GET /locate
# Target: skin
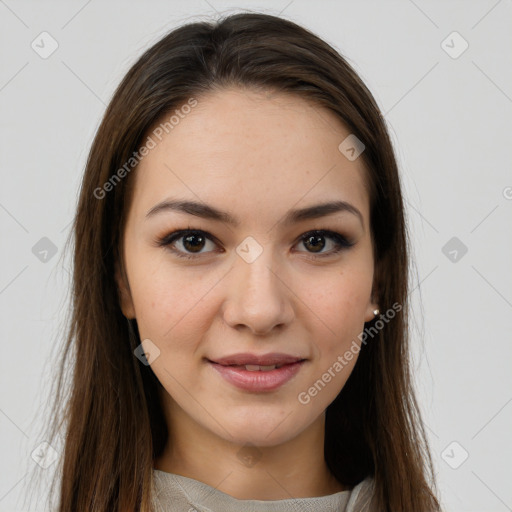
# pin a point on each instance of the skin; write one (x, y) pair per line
(256, 155)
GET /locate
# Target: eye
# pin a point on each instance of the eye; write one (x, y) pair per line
(189, 243)
(186, 243)
(315, 242)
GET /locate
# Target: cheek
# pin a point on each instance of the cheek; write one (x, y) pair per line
(337, 310)
(339, 301)
(175, 305)
(171, 305)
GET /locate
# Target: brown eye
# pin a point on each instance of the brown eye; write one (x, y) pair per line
(188, 243)
(314, 242)
(194, 242)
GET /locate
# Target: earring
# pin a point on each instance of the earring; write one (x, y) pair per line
(375, 312)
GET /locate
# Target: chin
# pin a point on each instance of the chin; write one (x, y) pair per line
(259, 430)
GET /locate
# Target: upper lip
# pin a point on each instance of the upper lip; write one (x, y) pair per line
(260, 360)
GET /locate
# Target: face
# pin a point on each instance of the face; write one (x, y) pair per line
(252, 268)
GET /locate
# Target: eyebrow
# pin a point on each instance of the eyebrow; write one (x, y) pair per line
(206, 211)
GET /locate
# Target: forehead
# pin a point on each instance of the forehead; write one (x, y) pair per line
(247, 149)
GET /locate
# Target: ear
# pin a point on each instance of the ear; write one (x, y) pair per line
(370, 308)
(373, 302)
(124, 293)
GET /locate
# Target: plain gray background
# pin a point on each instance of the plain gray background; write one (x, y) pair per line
(449, 114)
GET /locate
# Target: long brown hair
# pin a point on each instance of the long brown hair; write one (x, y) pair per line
(113, 419)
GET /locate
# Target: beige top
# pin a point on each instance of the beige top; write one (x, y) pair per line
(176, 493)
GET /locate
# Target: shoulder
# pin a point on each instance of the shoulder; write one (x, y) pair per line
(167, 495)
(361, 496)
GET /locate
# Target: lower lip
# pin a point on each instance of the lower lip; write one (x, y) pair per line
(258, 381)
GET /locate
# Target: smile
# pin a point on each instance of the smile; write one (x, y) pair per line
(258, 378)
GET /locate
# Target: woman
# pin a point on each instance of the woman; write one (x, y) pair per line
(239, 329)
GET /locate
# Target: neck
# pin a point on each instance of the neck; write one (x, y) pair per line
(293, 469)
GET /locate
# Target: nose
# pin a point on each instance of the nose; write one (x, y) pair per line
(257, 296)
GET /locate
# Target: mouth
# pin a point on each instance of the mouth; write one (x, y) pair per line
(263, 360)
(256, 367)
(249, 376)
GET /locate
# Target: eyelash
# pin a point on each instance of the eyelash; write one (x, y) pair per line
(167, 241)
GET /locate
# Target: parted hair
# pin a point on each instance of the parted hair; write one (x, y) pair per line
(107, 404)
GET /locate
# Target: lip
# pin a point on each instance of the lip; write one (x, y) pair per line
(258, 381)
(261, 360)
